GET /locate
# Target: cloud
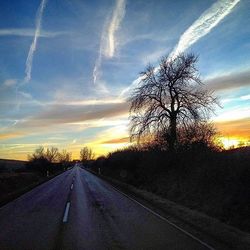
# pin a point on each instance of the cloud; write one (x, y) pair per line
(72, 117)
(31, 32)
(110, 139)
(204, 24)
(245, 97)
(57, 114)
(32, 50)
(118, 14)
(10, 82)
(11, 99)
(91, 102)
(237, 113)
(108, 39)
(235, 128)
(116, 141)
(75, 113)
(229, 81)
(4, 136)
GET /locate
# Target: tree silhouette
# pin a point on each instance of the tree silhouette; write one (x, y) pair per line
(86, 154)
(169, 97)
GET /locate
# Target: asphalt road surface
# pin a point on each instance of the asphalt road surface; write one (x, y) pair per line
(77, 210)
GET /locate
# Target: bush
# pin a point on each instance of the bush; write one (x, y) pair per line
(215, 182)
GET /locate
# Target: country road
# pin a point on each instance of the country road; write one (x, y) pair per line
(77, 210)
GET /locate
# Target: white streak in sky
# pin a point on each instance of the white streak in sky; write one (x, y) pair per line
(31, 32)
(108, 39)
(32, 50)
(204, 24)
(118, 15)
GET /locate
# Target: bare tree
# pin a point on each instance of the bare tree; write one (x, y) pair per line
(64, 156)
(38, 154)
(52, 154)
(168, 97)
(86, 154)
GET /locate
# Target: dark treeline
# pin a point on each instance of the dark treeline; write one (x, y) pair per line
(48, 161)
(214, 182)
(177, 155)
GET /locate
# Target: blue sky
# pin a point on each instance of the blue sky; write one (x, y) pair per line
(67, 66)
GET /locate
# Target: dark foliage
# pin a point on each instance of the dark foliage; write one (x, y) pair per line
(215, 182)
(48, 161)
(86, 155)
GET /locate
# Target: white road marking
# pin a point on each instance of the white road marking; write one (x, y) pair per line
(72, 185)
(66, 213)
(161, 217)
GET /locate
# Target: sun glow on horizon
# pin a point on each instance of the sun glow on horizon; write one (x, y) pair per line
(233, 142)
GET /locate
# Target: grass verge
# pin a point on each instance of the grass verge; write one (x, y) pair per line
(220, 235)
(8, 197)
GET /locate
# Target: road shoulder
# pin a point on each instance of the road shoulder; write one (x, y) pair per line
(19, 192)
(207, 229)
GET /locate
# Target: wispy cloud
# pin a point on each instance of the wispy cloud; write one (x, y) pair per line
(245, 97)
(61, 119)
(116, 140)
(57, 114)
(230, 81)
(4, 136)
(235, 113)
(32, 50)
(10, 82)
(31, 32)
(204, 24)
(237, 128)
(117, 17)
(108, 39)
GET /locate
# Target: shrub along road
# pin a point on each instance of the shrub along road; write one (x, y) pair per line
(77, 210)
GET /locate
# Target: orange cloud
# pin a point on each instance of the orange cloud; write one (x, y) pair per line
(116, 141)
(235, 128)
(4, 136)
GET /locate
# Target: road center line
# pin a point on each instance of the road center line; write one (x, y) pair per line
(66, 213)
(72, 185)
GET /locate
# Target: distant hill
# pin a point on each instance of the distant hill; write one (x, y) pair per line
(239, 151)
(11, 165)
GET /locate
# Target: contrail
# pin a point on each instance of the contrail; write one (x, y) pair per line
(32, 50)
(108, 39)
(30, 32)
(117, 17)
(202, 26)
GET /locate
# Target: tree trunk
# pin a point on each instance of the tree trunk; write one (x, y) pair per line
(172, 134)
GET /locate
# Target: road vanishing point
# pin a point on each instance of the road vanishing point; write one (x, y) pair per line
(78, 210)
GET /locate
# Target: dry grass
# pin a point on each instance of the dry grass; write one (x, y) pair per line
(230, 237)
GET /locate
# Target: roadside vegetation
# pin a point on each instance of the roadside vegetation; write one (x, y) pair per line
(175, 153)
(48, 161)
(18, 177)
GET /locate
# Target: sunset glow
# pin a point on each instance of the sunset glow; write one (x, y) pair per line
(231, 142)
(67, 71)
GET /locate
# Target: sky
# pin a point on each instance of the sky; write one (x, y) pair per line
(67, 67)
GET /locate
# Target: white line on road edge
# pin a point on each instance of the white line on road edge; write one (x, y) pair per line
(72, 185)
(161, 217)
(66, 213)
